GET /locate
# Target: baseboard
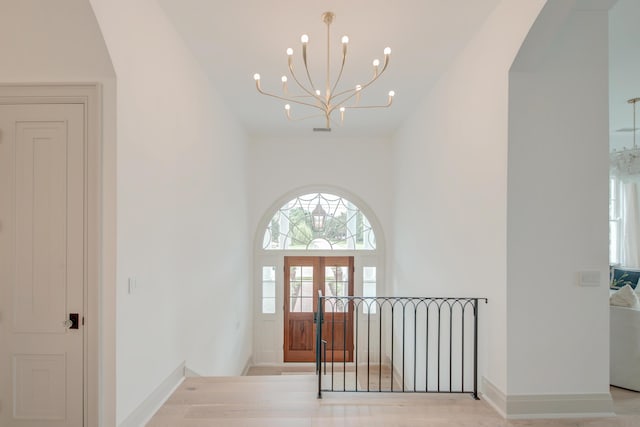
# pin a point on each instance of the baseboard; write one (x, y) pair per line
(494, 397)
(143, 413)
(188, 373)
(587, 405)
(247, 366)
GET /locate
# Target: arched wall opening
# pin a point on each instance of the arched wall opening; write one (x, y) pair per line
(286, 229)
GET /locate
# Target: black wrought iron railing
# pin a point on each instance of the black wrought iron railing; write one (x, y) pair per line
(397, 344)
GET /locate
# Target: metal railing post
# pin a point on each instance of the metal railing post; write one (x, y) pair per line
(319, 317)
(475, 348)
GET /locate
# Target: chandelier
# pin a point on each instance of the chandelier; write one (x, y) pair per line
(625, 163)
(331, 99)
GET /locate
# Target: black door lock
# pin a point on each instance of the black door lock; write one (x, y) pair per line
(73, 318)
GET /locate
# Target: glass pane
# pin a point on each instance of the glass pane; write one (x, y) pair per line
(268, 273)
(369, 289)
(336, 285)
(369, 274)
(268, 289)
(319, 221)
(301, 289)
(336, 281)
(614, 256)
(268, 305)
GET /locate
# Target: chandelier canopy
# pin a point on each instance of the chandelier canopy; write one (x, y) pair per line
(332, 98)
(625, 163)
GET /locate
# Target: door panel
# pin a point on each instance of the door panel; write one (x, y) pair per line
(337, 329)
(41, 264)
(300, 298)
(303, 278)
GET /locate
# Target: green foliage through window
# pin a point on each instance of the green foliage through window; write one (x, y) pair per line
(345, 226)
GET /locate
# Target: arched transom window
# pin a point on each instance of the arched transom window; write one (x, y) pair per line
(319, 221)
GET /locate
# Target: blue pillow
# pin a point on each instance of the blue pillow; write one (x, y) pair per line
(622, 277)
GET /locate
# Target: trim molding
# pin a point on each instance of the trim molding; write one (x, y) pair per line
(143, 413)
(493, 396)
(532, 406)
(247, 366)
(188, 373)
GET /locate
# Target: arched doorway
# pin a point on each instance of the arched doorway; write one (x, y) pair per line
(308, 241)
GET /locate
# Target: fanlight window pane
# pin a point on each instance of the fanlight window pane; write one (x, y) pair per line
(319, 221)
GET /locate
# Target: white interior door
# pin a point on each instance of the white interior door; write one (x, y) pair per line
(42, 181)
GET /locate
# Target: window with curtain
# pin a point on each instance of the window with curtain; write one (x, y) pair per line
(624, 222)
(614, 221)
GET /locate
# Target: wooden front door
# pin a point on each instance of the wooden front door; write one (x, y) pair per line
(303, 278)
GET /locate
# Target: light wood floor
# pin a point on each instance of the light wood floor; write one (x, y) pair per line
(288, 399)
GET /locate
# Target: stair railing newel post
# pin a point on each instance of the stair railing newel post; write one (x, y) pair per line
(319, 318)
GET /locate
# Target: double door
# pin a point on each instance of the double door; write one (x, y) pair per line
(303, 278)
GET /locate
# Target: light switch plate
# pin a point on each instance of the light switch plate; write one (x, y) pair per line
(589, 278)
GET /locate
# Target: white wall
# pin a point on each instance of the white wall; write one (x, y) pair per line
(557, 332)
(181, 210)
(280, 168)
(450, 177)
(358, 165)
(51, 42)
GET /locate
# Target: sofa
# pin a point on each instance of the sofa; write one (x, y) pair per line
(624, 361)
(624, 311)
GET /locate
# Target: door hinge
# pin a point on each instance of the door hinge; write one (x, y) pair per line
(82, 320)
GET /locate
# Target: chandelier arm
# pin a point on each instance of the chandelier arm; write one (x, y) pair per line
(287, 99)
(313, 116)
(353, 92)
(306, 66)
(356, 107)
(368, 106)
(295, 78)
(344, 59)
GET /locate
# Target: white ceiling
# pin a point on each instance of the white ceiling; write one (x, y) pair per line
(235, 39)
(624, 70)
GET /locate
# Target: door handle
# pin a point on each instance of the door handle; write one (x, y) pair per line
(72, 322)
